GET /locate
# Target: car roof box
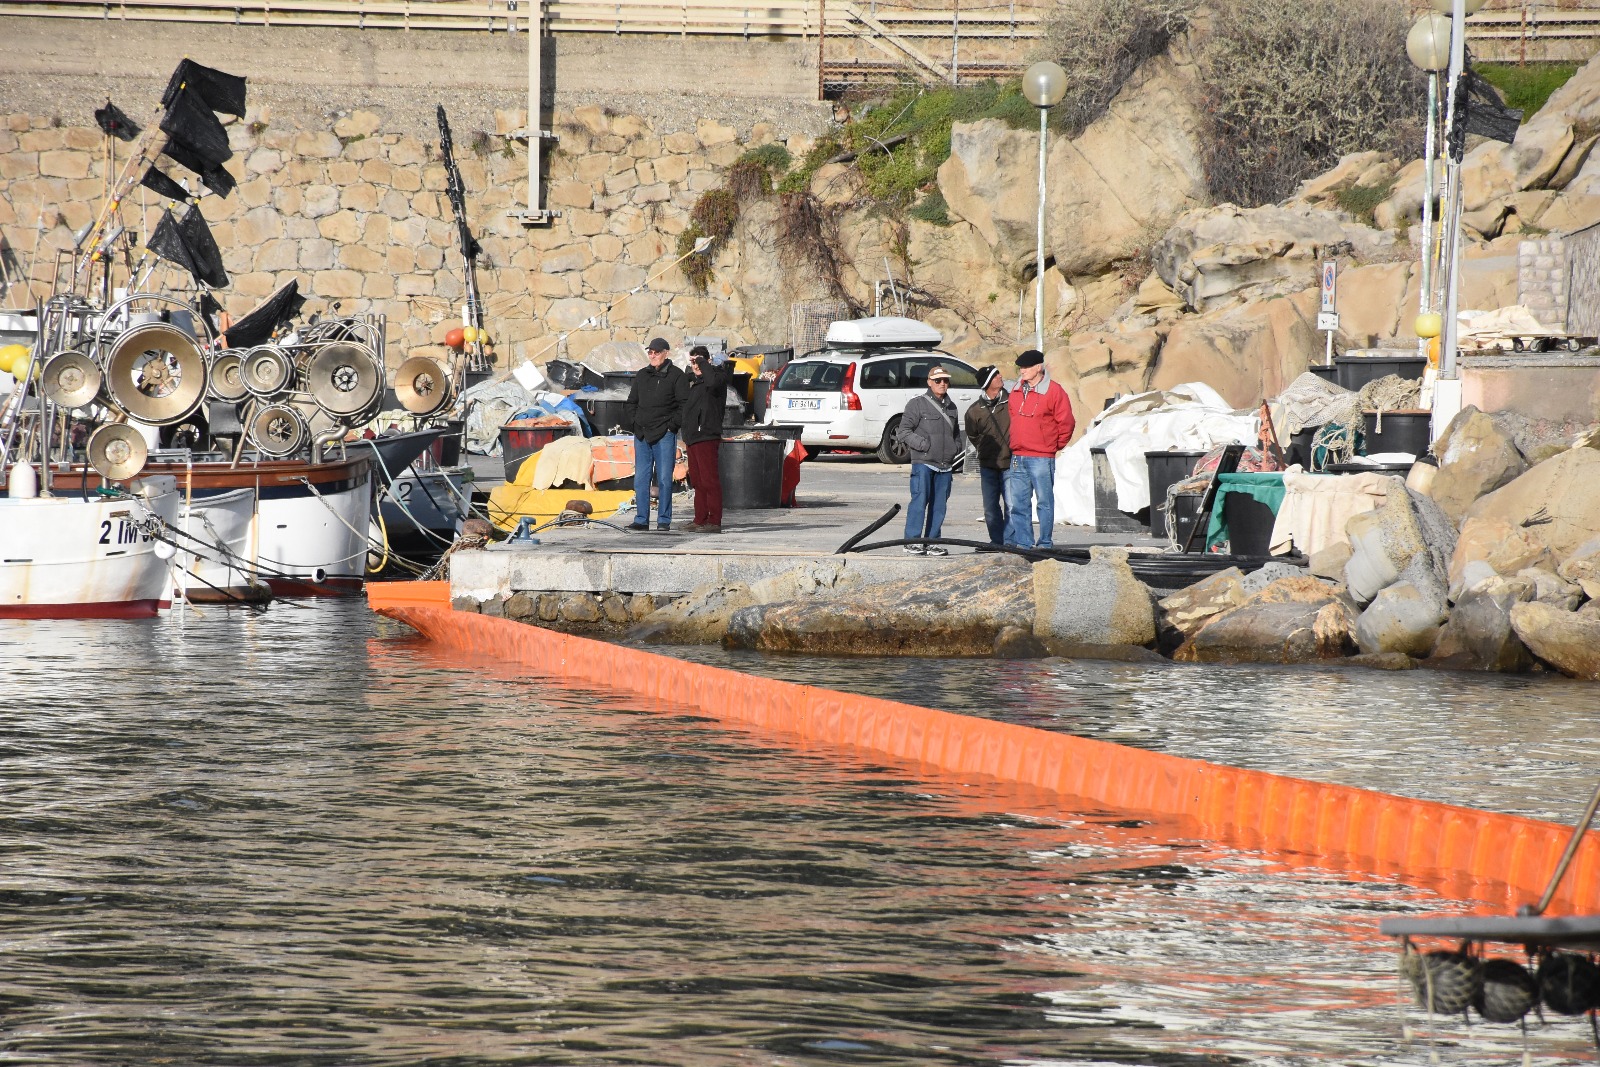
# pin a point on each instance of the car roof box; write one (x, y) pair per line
(883, 331)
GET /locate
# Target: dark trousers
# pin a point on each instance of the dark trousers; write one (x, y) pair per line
(994, 503)
(707, 482)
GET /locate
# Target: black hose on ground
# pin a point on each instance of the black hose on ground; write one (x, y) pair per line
(871, 527)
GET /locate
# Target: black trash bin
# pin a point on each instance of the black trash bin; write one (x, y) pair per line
(760, 394)
(1326, 371)
(449, 454)
(1409, 432)
(1107, 519)
(1249, 525)
(1185, 510)
(605, 416)
(1355, 371)
(1165, 468)
(751, 471)
(1300, 446)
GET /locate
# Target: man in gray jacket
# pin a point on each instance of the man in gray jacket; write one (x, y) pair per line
(930, 430)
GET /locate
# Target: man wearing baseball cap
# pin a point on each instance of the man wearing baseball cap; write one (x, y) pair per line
(1041, 426)
(655, 405)
(930, 430)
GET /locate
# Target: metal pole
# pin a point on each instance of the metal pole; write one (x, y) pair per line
(955, 42)
(1458, 56)
(822, 39)
(1038, 263)
(1426, 298)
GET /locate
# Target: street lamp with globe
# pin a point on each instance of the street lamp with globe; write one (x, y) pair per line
(1428, 46)
(1044, 84)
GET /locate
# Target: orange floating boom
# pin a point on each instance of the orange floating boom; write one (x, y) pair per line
(1463, 852)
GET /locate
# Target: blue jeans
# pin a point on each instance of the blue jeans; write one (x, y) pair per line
(930, 490)
(993, 485)
(653, 460)
(1030, 478)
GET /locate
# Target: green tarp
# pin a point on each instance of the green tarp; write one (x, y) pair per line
(1266, 487)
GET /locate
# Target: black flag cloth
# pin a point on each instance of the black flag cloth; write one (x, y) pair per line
(256, 327)
(190, 123)
(188, 243)
(113, 123)
(221, 92)
(212, 176)
(1480, 111)
(158, 183)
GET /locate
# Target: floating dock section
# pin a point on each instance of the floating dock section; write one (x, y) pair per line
(1501, 860)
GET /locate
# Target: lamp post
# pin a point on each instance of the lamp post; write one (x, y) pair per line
(1044, 84)
(1458, 11)
(1428, 46)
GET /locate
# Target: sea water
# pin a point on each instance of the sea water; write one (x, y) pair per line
(308, 837)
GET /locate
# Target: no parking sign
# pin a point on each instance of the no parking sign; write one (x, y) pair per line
(1327, 317)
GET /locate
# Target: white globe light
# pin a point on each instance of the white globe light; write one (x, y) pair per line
(1044, 84)
(1428, 43)
(1445, 6)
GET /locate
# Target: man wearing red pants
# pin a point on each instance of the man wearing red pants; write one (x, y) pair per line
(702, 433)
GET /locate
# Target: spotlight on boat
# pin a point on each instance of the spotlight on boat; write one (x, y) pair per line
(278, 430)
(422, 386)
(267, 372)
(227, 378)
(117, 451)
(344, 377)
(156, 374)
(71, 380)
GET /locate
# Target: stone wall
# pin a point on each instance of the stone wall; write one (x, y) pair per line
(1542, 280)
(359, 215)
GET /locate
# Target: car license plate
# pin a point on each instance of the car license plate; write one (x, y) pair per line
(807, 403)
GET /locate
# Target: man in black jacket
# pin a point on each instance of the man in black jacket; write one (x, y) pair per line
(655, 404)
(702, 432)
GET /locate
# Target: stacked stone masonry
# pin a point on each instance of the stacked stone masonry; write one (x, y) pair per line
(361, 217)
(1542, 280)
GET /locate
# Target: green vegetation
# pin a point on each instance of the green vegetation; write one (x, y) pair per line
(1362, 200)
(1526, 87)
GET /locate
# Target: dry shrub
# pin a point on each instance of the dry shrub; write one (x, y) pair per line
(1100, 43)
(1292, 85)
(808, 235)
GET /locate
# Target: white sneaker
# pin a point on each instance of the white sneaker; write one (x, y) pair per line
(937, 550)
(912, 550)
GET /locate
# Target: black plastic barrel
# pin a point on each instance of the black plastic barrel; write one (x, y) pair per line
(1249, 525)
(449, 454)
(1107, 519)
(1401, 469)
(1165, 468)
(1185, 509)
(1355, 371)
(605, 416)
(517, 443)
(751, 471)
(614, 380)
(1398, 431)
(1299, 450)
(1326, 371)
(759, 398)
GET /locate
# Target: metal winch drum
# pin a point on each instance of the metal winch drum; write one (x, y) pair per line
(117, 451)
(267, 372)
(156, 373)
(278, 430)
(344, 378)
(71, 380)
(227, 378)
(422, 386)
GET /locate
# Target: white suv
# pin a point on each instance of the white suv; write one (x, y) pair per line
(851, 394)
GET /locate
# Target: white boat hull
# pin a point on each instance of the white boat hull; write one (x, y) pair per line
(216, 563)
(314, 544)
(66, 556)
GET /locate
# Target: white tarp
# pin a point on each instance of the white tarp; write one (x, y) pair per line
(1189, 417)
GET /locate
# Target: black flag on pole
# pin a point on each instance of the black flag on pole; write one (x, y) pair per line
(1480, 112)
(221, 92)
(113, 123)
(160, 184)
(188, 243)
(189, 122)
(213, 177)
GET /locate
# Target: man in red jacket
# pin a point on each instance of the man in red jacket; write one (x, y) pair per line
(1041, 426)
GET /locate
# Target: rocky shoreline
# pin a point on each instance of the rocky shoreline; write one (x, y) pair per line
(1493, 566)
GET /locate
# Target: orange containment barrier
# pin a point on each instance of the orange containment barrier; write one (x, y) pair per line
(1465, 853)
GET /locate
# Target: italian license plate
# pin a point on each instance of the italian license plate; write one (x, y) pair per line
(806, 403)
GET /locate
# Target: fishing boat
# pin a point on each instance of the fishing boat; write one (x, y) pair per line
(94, 554)
(217, 560)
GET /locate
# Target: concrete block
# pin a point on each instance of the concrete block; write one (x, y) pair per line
(479, 575)
(1099, 603)
(544, 570)
(662, 572)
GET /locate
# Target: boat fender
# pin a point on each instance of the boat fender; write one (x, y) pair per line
(24, 484)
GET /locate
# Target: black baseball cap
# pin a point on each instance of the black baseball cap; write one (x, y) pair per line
(658, 344)
(1031, 358)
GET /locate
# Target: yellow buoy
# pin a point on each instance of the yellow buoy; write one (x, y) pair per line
(1429, 324)
(13, 358)
(470, 334)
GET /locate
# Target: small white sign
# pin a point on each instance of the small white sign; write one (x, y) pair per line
(1330, 282)
(1328, 320)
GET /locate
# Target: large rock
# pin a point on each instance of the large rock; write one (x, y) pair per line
(1181, 615)
(1098, 603)
(1582, 567)
(1478, 635)
(954, 611)
(1568, 641)
(699, 617)
(1475, 457)
(1490, 546)
(1385, 541)
(1557, 502)
(1127, 176)
(1213, 253)
(1405, 616)
(1273, 632)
